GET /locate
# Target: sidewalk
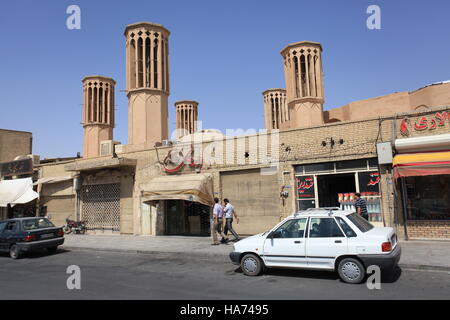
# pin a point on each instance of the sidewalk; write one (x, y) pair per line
(424, 255)
(195, 246)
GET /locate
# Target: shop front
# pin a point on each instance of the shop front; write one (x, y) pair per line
(423, 179)
(186, 202)
(17, 198)
(334, 184)
(103, 193)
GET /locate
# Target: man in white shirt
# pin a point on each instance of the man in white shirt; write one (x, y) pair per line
(218, 222)
(230, 212)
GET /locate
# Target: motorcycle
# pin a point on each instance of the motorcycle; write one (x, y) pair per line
(78, 227)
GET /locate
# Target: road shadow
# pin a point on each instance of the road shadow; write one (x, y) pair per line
(40, 253)
(391, 277)
(386, 277)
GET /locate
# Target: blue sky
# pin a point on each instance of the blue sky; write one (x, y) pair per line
(222, 54)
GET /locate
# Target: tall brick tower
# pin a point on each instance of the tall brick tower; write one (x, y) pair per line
(304, 83)
(276, 113)
(98, 113)
(186, 117)
(147, 61)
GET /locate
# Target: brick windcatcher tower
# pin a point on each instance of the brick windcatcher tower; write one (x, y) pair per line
(147, 72)
(304, 83)
(186, 117)
(98, 113)
(276, 112)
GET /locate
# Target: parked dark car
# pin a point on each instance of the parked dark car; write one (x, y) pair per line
(28, 234)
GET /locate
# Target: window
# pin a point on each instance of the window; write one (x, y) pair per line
(305, 192)
(33, 224)
(294, 228)
(361, 223)
(306, 204)
(373, 163)
(11, 226)
(2, 226)
(347, 229)
(351, 165)
(428, 197)
(369, 183)
(324, 228)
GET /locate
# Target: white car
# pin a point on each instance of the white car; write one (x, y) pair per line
(321, 239)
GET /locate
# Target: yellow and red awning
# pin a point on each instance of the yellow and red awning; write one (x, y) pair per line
(421, 164)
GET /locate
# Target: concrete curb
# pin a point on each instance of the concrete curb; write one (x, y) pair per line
(149, 252)
(422, 267)
(221, 255)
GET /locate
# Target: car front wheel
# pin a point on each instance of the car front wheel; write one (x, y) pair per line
(14, 251)
(351, 270)
(251, 265)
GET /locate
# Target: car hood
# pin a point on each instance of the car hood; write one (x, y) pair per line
(251, 243)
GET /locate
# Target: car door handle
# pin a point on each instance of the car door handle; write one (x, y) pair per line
(297, 242)
(338, 241)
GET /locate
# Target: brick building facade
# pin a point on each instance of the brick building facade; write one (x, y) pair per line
(237, 164)
(305, 158)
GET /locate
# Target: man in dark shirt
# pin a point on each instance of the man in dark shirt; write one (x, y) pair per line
(361, 207)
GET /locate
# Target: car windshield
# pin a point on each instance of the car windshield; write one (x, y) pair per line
(32, 224)
(361, 223)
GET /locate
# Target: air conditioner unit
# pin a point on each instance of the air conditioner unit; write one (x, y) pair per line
(118, 148)
(106, 147)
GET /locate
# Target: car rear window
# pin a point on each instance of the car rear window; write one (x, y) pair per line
(361, 223)
(347, 229)
(33, 224)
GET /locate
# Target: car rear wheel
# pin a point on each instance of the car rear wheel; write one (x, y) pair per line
(251, 265)
(351, 270)
(14, 251)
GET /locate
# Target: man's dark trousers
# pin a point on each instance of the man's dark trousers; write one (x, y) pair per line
(229, 227)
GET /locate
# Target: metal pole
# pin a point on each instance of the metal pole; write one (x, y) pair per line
(389, 186)
(405, 209)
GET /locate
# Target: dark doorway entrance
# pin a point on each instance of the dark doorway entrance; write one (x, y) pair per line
(187, 218)
(330, 185)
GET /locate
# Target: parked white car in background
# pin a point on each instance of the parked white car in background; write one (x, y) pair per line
(321, 239)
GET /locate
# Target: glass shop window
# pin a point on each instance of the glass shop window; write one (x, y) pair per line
(428, 197)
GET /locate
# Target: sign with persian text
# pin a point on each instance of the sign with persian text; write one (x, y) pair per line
(424, 123)
(16, 168)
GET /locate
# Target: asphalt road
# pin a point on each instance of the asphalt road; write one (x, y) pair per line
(109, 275)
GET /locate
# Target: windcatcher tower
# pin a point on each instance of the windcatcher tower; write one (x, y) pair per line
(276, 112)
(98, 113)
(186, 117)
(147, 69)
(304, 83)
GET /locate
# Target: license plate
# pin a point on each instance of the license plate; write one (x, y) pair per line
(47, 235)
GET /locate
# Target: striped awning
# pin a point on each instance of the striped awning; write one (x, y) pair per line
(421, 164)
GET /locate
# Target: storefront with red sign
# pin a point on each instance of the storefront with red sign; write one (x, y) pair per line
(334, 184)
(422, 175)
